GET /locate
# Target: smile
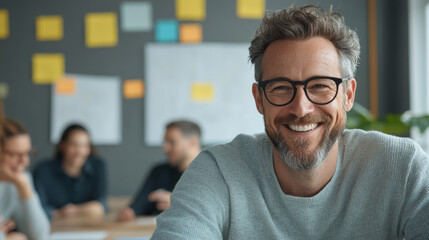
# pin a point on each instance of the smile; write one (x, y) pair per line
(302, 128)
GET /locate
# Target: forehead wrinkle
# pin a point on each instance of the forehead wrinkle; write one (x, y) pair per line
(321, 59)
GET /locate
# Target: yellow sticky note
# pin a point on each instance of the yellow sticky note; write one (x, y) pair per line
(133, 88)
(4, 90)
(191, 33)
(47, 67)
(4, 24)
(250, 8)
(49, 28)
(65, 86)
(202, 92)
(101, 29)
(191, 10)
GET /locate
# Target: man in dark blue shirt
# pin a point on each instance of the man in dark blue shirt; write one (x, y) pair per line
(181, 145)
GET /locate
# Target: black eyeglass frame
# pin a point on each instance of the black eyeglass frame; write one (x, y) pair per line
(337, 81)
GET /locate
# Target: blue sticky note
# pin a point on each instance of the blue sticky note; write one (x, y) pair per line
(136, 16)
(166, 31)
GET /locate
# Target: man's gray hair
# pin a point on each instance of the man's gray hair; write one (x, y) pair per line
(301, 23)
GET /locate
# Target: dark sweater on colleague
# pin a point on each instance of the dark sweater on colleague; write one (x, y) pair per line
(163, 177)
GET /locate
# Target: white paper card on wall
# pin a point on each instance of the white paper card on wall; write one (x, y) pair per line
(222, 66)
(96, 104)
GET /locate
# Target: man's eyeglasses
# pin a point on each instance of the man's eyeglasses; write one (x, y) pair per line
(319, 90)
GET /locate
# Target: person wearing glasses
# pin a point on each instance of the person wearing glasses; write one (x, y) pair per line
(74, 183)
(306, 177)
(20, 206)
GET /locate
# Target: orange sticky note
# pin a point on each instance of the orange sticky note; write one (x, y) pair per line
(202, 92)
(250, 8)
(49, 28)
(4, 24)
(191, 10)
(133, 88)
(191, 33)
(47, 68)
(101, 29)
(65, 86)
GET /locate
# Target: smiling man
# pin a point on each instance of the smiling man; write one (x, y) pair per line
(307, 177)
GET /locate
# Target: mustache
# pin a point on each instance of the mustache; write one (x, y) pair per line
(309, 118)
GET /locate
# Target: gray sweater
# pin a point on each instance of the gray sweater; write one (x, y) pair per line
(380, 190)
(28, 215)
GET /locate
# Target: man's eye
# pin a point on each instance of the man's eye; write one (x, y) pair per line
(315, 86)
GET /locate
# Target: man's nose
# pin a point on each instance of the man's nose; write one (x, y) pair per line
(300, 105)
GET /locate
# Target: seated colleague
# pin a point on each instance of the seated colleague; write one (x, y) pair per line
(19, 203)
(181, 145)
(74, 182)
(307, 177)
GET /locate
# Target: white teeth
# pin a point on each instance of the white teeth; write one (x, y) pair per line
(303, 128)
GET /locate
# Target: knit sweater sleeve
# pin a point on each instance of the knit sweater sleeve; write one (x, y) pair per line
(30, 218)
(199, 204)
(415, 214)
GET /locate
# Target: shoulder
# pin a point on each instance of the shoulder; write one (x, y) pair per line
(242, 144)
(162, 168)
(48, 165)
(96, 161)
(375, 141)
(244, 154)
(388, 152)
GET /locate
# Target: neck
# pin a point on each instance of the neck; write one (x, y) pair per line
(305, 183)
(72, 171)
(191, 156)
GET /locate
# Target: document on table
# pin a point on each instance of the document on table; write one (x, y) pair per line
(132, 238)
(99, 235)
(146, 221)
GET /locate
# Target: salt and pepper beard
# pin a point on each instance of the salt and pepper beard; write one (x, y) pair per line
(301, 159)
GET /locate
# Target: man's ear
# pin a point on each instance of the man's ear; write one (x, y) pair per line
(258, 98)
(350, 94)
(193, 141)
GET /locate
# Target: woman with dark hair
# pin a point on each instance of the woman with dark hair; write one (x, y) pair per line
(74, 183)
(19, 204)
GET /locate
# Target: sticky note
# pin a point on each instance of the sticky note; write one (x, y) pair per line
(250, 8)
(191, 10)
(4, 90)
(65, 86)
(49, 28)
(202, 92)
(136, 16)
(47, 67)
(133, 88)
(191, 33)
(101, 29)
(166, 31)
(4, 23)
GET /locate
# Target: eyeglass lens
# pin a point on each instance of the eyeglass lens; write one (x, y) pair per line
(319, 91)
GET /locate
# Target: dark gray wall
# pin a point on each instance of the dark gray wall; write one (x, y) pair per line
(130, 161)
(393, 56)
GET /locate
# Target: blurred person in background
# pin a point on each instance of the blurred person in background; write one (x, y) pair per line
(74, 183)
(181, 145)
(20, 206)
